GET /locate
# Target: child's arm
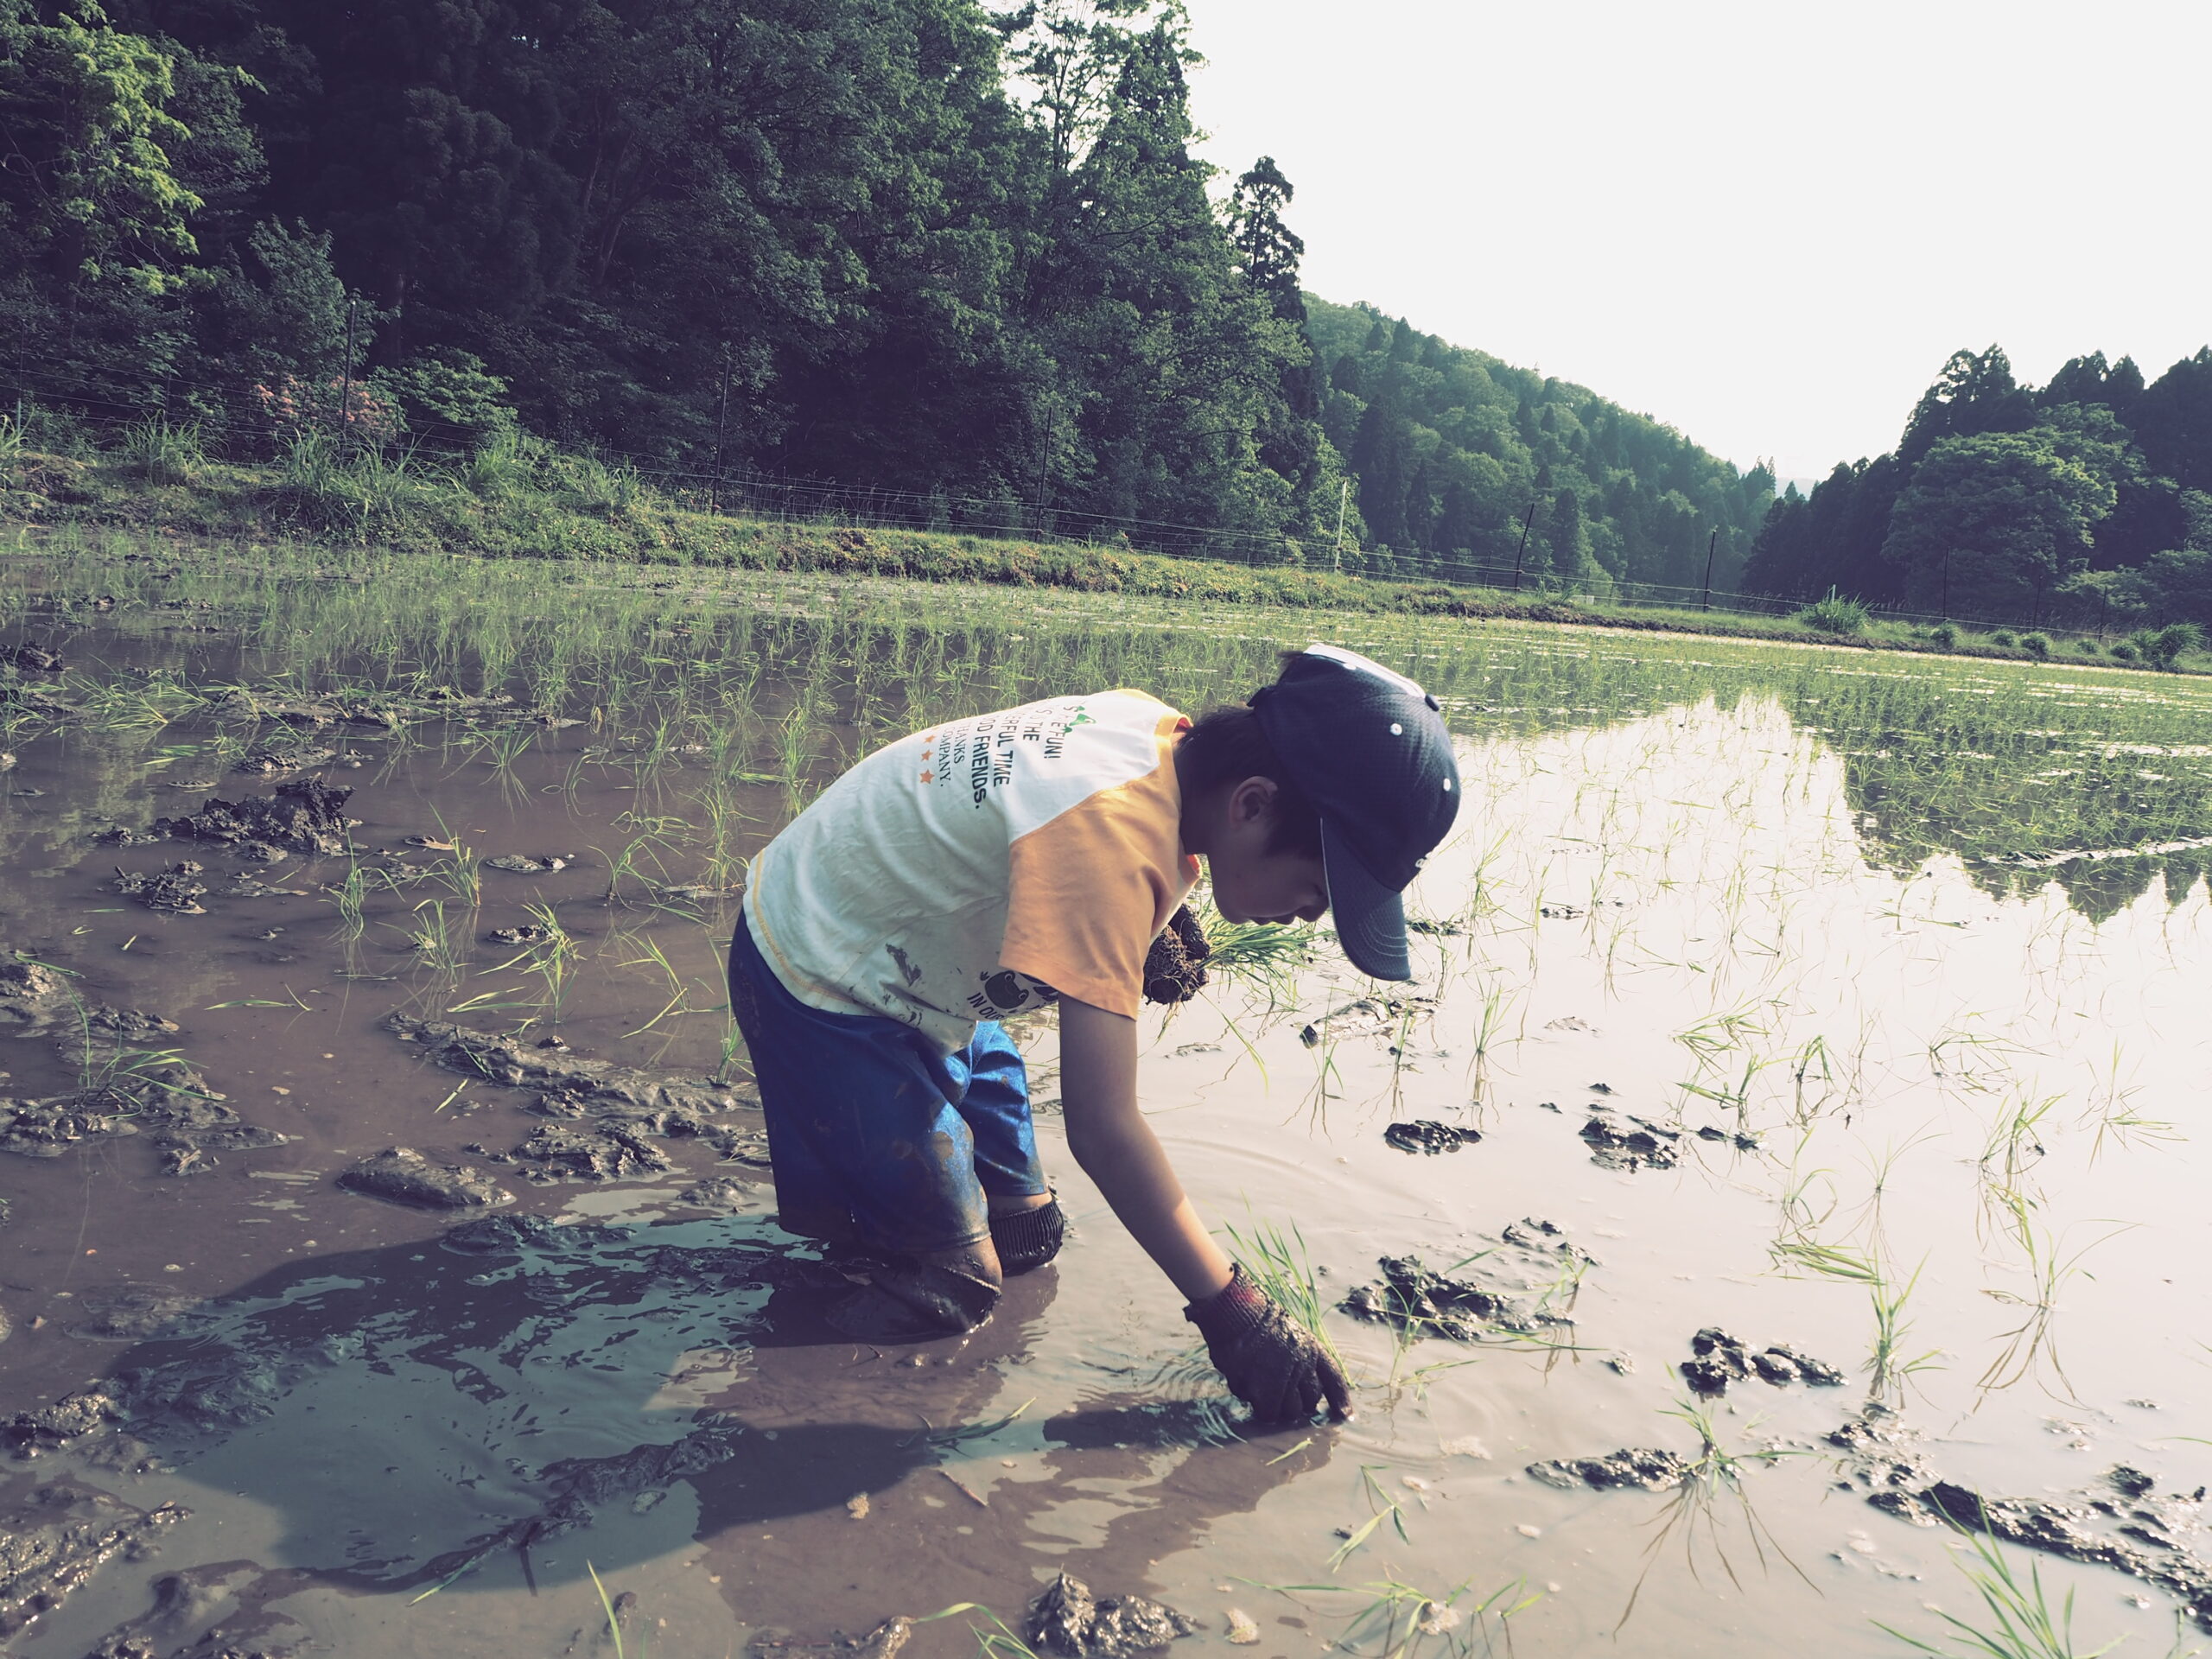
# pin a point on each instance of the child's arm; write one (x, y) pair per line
(1118, 1150)
(1271, 1362)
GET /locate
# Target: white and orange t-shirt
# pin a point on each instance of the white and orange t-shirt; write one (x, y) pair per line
(968, 872)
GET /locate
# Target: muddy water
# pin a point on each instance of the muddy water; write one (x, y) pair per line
(1843, 1077)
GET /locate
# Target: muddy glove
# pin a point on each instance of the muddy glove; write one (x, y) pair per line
(1271, 1362)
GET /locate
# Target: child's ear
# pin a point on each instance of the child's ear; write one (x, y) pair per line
(1252, 801)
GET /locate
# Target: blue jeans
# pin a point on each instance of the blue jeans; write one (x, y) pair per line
(873, 1134)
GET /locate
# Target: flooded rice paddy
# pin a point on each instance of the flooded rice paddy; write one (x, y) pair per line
(1788, 1157)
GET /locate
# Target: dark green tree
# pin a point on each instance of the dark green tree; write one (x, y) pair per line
(1993, 524)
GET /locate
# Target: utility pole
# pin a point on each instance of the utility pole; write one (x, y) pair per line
(1945, 605)
(1710, 541)
(346, 387)
(722, 427)
(1518, 552)
(1344, 496)
(1044, 463)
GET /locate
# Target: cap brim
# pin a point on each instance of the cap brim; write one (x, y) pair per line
(1370, 918)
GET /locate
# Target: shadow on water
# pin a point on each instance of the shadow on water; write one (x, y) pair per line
(414, 1414)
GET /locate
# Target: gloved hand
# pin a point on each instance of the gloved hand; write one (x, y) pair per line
(1272, 1364)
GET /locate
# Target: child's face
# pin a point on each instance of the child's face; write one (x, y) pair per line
(1251, 882)
(1270, 887)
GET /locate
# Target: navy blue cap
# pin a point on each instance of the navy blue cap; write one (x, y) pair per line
(1368, 749)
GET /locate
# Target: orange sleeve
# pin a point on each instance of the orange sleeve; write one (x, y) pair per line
(1089, 891)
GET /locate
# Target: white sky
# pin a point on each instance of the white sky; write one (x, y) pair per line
(1767, 223)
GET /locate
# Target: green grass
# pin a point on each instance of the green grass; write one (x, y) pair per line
(519, 500)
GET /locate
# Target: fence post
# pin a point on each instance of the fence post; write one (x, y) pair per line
(345, 386)
(722, 426)
(1519, 551)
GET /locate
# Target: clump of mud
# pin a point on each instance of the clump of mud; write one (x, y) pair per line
(567, 1085)
(31, 992)
(158, 1095)
(2123, 1524)
(289, 754)
(1425, 1135)
(403, 1175)
(303, 816)
(602, 1152)
(1620, 1141)
(1530, 1256)
(720, 1192)
(882, 1642)
(52, 1544)
(128, 1312)
(70, 1417)
(174, 891)
(1641, 1466)
(47, 1129)
(21, 697)
(1068, 1620)
(1175, 967)
(385, 709)
(1718, 1359)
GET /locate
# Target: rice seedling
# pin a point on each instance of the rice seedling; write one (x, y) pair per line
(549, 957)
(1278, 1264)
(679, 987)
(1395, 1620)
(460, 872)
(2112, 1110)
(999, 1642)
(606, 1605)
(1382, 1509)
(430, 937)
(2033, 1343)
(651, 836)
(1262, 956)
(1889, 1366)
(2023, 1622)
(2015, 1146)
(351, 897)
(1715, 1478)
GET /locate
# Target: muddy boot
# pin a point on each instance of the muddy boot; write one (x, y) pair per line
(908, 1301)
(1029, 1238)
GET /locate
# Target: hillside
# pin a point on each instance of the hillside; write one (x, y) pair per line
(1454, 451)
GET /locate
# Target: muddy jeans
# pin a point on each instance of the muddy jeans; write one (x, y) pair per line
(873, 1135)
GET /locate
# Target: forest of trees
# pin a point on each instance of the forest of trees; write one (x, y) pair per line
(963, 255)
(1455, 453)
(2087, 502)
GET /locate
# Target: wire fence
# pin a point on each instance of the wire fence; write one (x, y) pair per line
(233, 419)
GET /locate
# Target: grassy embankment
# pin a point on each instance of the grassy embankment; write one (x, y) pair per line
(520, 500)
